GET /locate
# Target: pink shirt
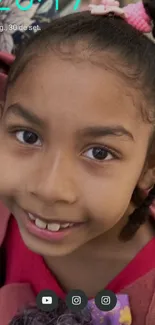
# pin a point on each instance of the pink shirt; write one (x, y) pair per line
(24, 266)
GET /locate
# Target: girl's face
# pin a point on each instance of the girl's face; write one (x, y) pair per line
(72, 148)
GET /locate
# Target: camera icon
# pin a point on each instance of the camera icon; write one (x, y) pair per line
(76, 300)
(105, 300)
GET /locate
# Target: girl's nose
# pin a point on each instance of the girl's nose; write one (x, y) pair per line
(55, 182)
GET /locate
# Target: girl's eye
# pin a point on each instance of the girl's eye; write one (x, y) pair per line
(99, 153)
(28, 137)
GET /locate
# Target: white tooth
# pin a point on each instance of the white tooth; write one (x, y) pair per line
(53, 226)
(40, 224)
(71, 224)
(31, 216)
(65, 225)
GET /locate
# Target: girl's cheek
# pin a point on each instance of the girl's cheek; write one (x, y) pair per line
(12, 174)
(106, 207)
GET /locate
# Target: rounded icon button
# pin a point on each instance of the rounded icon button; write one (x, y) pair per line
(106, 300)
(47, 300)
(76, 300)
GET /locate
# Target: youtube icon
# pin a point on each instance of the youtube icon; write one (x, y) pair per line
(47, 300)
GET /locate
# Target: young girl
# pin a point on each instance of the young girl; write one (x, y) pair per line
(76, 147)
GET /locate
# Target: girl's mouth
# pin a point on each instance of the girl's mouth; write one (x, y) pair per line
(51, 226)
(52, 230)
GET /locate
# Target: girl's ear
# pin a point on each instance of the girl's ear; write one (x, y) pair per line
(145, 183)
(147, 179)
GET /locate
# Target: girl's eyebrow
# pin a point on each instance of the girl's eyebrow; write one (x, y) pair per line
(102, 131)
(18, 110)
(91, 131)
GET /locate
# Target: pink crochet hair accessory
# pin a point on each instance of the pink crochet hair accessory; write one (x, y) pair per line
(134, 14)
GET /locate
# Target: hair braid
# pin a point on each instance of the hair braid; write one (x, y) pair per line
(138, 217)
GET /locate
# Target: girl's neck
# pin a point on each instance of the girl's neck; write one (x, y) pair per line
(101, 259)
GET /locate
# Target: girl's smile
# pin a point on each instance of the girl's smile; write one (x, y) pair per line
(50, 230)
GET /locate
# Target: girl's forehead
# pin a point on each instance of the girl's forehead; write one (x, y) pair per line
(82, 92)
(59, 77)
(54, 70)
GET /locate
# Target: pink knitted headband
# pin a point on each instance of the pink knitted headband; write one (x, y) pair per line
(134, 14)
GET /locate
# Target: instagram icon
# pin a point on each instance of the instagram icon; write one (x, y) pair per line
(106, 300)
(76, 300)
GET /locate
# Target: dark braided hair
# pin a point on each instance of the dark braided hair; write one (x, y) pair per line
(59, 316)
(138, 217)
(109, 42)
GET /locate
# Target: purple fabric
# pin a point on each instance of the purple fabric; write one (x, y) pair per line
(120, 315)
